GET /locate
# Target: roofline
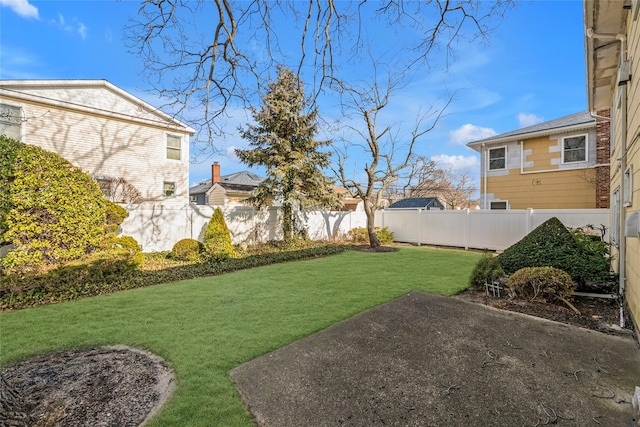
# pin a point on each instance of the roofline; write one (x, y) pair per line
(528, 135)
(8, 88)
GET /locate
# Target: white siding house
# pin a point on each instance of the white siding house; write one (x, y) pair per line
(104, 130)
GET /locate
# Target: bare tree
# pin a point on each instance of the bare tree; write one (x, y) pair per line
(388, 153)
(207, 56)
(452, 187)
(117, 190)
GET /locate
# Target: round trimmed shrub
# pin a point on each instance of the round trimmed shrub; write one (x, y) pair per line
(187, 250)
(126, 242)
(540, 283)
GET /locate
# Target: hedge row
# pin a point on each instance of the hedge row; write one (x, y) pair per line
(117, 270)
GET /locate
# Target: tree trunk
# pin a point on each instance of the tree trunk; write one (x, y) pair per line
(374, 243)
(287, 222)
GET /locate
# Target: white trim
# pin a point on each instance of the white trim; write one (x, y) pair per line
(12, 88)
(166, 146)
(627, 183)
(489, 169)
(586, 148)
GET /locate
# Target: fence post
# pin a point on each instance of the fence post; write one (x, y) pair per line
(529, 219)
(419, 225)
(467, 228)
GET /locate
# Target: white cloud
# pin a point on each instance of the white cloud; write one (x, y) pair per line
(21, 7)
(456, 162)
(529, 119)
(73, 27)
(468, 132)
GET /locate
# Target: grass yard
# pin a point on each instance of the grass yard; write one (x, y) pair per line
(205, 327)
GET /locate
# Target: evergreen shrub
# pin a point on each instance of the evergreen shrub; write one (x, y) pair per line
(486, 270)
(217, 238)
(552, 245)
(52, 211)
(187, 250)
(540, 283)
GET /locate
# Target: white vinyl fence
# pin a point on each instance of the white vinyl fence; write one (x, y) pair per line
(480, 229)
(159, 227)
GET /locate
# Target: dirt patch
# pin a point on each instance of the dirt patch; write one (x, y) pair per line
(598, 314)
(104, 386)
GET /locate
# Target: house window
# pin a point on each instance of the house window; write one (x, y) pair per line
(627, 183)
(169, 189)
(193, 199)
(497, 158)
(574, 149)
(498, 205)
(615, 217)
(10, 121)
(173, 147)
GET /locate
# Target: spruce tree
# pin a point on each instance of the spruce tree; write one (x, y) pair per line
(283, 140)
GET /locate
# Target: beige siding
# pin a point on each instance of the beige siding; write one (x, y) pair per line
(216, 196)
(572, 189)
(633, 159)
(105, 145)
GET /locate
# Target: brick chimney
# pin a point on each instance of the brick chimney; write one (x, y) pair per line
(215, 173)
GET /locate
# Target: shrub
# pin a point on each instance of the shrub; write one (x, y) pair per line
(361, 235)
(486, 270)
(126, 242)
(114, 215)
(552, 245)
(187, 250)
(217, 238)
(100, 273)
(55, 211)
(540, 283)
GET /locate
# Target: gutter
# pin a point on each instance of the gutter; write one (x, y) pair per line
(622, 250)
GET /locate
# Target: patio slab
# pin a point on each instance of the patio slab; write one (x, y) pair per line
(426, 360)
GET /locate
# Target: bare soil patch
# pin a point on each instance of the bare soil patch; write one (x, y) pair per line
(106, 386)
(598, 314)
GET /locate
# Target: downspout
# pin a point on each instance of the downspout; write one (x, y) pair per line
(485, 168)
(622, 250)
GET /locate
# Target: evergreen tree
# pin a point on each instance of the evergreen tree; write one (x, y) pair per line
(283, 140)
(217, 238)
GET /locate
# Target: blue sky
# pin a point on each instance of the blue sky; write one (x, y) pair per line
(533, 70)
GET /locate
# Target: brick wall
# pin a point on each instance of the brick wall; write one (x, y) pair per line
(603, 135)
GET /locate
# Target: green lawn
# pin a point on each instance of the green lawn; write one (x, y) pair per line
(205, 327)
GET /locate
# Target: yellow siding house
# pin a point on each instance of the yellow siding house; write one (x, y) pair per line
(559, 164)
(612, 43)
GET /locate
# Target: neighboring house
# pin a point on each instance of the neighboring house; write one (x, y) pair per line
(428, 203)
(103, 130)
(612, 44)
(225, 190)
(559, 164)
(348, 202)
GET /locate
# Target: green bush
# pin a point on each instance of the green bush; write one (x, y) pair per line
(100, 273)
(126, 242)
(486, 270)
(187, 250)
(217, 238)
(361, 235)
(552, 245)
(54, 211)
(540, 283)
(114, 215)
